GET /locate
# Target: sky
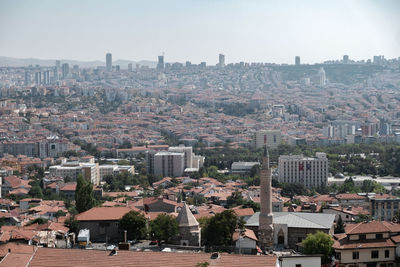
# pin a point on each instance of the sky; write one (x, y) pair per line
(198, 30)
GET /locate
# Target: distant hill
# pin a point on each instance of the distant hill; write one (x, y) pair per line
(24, 62)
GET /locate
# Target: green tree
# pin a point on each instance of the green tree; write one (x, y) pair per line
(84, 196)
(39, 220)
(72, 224)
(163, 228)
(318, 243)
(339, 228)
(218, 230)
(36, 192)
(135, 225)
(235, 199)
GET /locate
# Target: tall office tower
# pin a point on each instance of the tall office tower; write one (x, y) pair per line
(27, 78)
(297, 60)
(56, 75)
(46, 77)
(108, 62)
(271, 138)
(65, 70)
(38, 78)
(58, 64)
(221, 61)
(345, 59)
(117, 67)
(310, 172)
(322, 77)
(188, 64)
(130, 68)
(160, 65)
(266, 227)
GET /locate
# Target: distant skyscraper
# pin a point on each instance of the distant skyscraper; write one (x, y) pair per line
(65, 70)
(160, 65)
(56, 75)
(38, 78)
(297, 60)
(322, 77)
(108, 62)
(117, 67)
(58, 64)
(345, 59)
(46, 77)
(221, 61)
(130, 67)
(27, 78)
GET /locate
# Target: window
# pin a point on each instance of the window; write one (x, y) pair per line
(299, 239)
(338, 256)
(356, 255)
(386, 253)
(362, 237)
(383, 265)
(374, 254)
(379, 236)
(298, 265)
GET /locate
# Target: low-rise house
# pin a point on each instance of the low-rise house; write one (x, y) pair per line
(103, 222)
(365, 244)
(245, 242)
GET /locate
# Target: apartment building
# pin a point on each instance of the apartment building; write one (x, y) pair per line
(272, 138)
(89, 171)
(170, 164)
(310, 172)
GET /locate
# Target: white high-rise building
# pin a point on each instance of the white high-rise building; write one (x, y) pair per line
(272, 138)
(322, 77)
(187, 150)
(169, 164)
(221, 60)
(310, 172)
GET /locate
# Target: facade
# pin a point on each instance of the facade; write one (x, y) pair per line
(322, 77)
(310, 172)
(366, 245)
(160, 64)
(65, 70)
(221, 60)
(297, 60)
(105, 170)
(109, 62)
(169, 164)
(188, 153)
(384, 209)
(89, 171)
(242, 167)
(103, 223)
(272, 138)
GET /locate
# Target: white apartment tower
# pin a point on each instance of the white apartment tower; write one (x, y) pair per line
(310, 172)
(322, 77)
(169, 164)
(272, 138)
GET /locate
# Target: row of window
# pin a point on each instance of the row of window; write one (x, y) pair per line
(374, 254)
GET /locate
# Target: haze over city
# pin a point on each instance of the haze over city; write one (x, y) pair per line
(250, 31)
(200, 133)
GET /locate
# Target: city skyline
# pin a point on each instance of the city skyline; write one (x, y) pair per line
(250, 32)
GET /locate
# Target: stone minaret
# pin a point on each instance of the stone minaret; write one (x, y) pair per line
(266, 228)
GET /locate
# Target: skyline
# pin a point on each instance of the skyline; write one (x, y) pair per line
(252, 32)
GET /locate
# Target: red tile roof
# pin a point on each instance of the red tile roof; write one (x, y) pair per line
(366, 228)
(78, 258)
(104, 213)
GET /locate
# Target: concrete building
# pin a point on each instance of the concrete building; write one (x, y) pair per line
(65, 70)
(297, 60)
(272, 138)
(310, 172)
(170, 164)
(221, 60)
(160, 64)
(243, 167)
(322, 77)
(105, 170)
(188, 152)
(109, 62)
(89, 171)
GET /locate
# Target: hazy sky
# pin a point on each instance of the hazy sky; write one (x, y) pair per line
(198, 30)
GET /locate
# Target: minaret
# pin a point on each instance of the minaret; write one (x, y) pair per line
(266, 228)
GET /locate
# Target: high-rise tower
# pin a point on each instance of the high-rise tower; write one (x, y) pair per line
(266, 228)
(108, 62)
